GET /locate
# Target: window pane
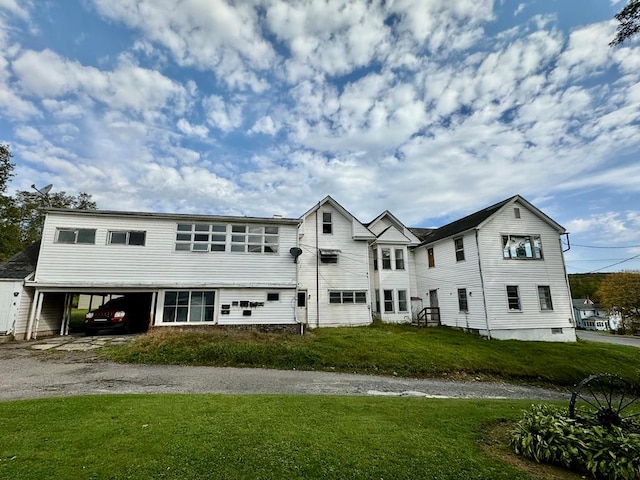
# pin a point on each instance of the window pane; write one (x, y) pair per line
(239, 228)
(271, 230)
(183, 247)
(66, 236)
(347, 297)
(86, 236)
(170, 298)
(185, 237)
(169, 314)
(200, 247)
(386, 258)
(255, 239)
(238, 238)
(255, 229)
(201, 237)
(361, 297)
(326, 217)
(118, 238)
(184, 227)
(271, 249)
(544, 293)
(208, 314)
(183, 298)
(181, 314)
(218, 238)
(219, 228)
(513, 298)
(237, 248)
(208, 298)
(217, 248)
(334, 297)
(201, 227)
(137, 238)
(402, 300)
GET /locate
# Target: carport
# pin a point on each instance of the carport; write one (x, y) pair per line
(51, 308)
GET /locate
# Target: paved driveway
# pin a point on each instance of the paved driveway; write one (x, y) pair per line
(66, 366)
(593, 336)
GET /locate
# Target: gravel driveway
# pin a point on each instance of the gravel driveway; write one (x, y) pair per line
(28, 373)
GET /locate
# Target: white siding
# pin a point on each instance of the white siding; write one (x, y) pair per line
(526, 274)
(447, 277)
(349, 274)
(395, 280)
(9, 304)
(24, 308)
(156, 263)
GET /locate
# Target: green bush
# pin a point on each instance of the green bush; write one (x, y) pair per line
(547, 435)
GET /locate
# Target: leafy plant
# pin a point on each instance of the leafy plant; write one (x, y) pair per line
(546, 434)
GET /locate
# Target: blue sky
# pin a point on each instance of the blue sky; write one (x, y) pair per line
(431, 109)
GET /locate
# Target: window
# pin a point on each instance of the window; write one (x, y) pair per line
(377, 306)
(388, 301)
(254, 239)
(516, 212)
(544, 294)
(513, 298)
(76, 235)
(329, 256)
(347, 296)
(459, 244)
(432, 260)
(399, 253)
(129, 237)
(522, 247)
(402, 301)
(302, 299)
(202, 237)
(327, 225)
(375, 258)
(188, 306)
(463, 304)
(273, 296)
(386, 259)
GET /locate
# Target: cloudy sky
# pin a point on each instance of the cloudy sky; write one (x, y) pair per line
(431, 109)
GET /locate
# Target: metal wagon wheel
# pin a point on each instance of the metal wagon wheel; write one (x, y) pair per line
(606, 399)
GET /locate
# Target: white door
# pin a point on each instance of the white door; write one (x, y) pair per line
(9, 304)
(302, 306)
(416, 307)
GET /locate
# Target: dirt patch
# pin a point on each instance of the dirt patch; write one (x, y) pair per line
(495, 444)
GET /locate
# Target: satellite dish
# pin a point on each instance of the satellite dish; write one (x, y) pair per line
(295, 253)
(44, 190)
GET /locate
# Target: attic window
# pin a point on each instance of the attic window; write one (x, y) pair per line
(329, 256)
(327, 225)
(516, 212)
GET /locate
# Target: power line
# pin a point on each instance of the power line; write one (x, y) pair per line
(617, 263)
(599, 246)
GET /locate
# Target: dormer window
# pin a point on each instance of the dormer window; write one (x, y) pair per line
(327, 225)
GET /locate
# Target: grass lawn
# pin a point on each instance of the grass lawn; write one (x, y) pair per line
(386, 349)
(258, 437)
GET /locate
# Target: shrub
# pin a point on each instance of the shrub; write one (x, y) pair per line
(546, 434)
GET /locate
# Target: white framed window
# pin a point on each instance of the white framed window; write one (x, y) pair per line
(76, 235)
(459, 246)
(544, 295)
(386, 259)
(188, 306)
(388, 301)
(399, 257)
(516, 212)
(327, 223)
(463, 302)
(431, 258)
(254, 239)
(402, 301)
(347, 296)
(522, 247)
(203, 237)
(126, 237)
(375, 258)
(513, 298)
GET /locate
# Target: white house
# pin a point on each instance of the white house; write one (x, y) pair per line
(196, 269)
(592, 316)
(498, 272)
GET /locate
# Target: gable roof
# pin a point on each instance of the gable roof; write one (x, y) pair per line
(400, 227)
(359, 230)
(478, 218)
(22, 264)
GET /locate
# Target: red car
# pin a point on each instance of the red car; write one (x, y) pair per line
(126, 314)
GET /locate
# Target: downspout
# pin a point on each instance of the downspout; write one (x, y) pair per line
(572, 319)
(317, 272)
(484, 295)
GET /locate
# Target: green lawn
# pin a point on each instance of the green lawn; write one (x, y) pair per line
(386, 349)
(253, 437)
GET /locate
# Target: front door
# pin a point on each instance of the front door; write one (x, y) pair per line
(416, 307)
(434, 314)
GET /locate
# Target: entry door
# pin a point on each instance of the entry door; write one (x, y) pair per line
(416, 307)
(302, 306)
(8, 305)
(433, 298)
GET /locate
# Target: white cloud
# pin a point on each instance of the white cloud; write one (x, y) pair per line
(223, 115)
(265, 125)
(192, 130)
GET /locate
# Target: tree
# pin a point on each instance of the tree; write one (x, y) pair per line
(629, 22)
(622, 291)
(22, 216)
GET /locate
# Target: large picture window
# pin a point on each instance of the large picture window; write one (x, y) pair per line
(522, 247)
(188, 306)
(76, 235)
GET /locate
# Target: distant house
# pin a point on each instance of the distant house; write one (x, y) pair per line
(498, 272)
(592, 316)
